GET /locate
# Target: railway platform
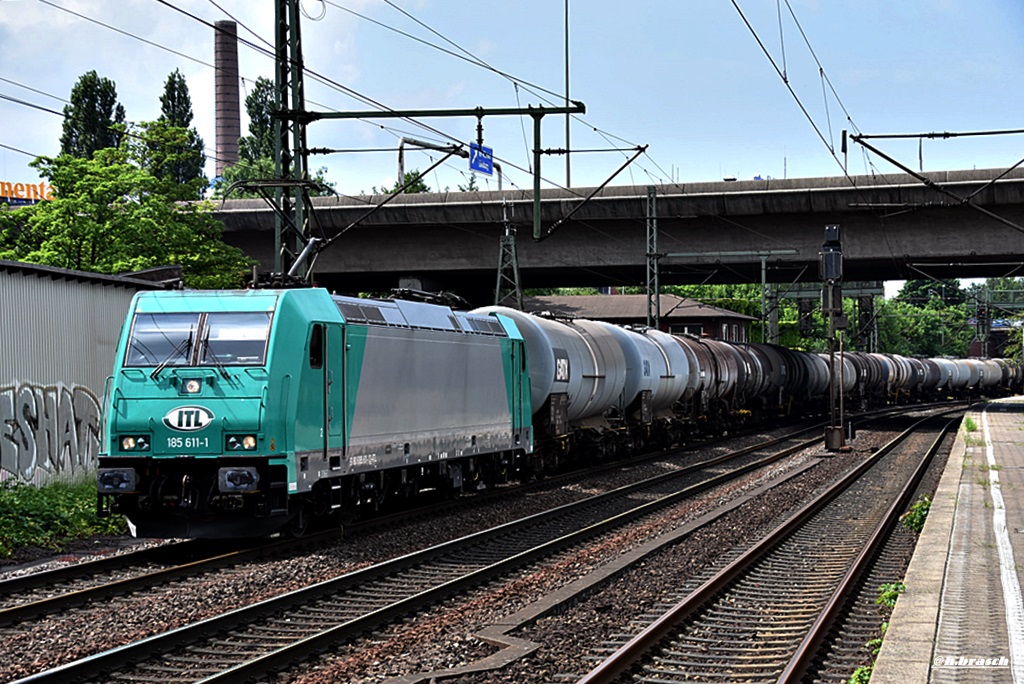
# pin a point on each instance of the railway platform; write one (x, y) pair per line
(961, 618)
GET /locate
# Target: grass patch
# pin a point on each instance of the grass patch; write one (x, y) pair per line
(862, 675)
(915, 517)
(969, 424)
(887, 595)
(50, 516)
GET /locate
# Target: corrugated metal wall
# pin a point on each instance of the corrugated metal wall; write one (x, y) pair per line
(57, 341)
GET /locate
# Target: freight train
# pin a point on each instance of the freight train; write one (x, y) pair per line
(247, 412)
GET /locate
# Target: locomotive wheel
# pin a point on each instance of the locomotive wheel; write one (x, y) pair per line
(346, 516)
(299, 523)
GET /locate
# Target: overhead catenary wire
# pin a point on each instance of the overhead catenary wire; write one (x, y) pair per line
(467, 56)
(126, 33)
(47, 110)
(645, 154)
(789, 86)
(129, 34)
(34, 90)
(821, 68)
(938, 188)
(533, 88)
(18, 150)
(313, 74)
(827, 141)
(341, 88)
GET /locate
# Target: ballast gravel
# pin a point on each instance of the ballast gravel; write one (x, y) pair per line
(445, 636)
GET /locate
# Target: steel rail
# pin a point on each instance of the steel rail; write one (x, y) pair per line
(200, 559)
(808, 648)
(52, 604)
(197, 558)
(305, 648)
(27, 581)
(626, 657)
(156, 645)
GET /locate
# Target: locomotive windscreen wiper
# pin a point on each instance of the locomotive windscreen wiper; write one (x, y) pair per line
(212, 356)
(184, 349)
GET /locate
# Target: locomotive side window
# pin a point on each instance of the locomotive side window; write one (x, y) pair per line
(162, 339)
(316, 347)
(235, 339)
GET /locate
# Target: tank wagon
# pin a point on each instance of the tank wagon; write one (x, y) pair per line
(245, 412)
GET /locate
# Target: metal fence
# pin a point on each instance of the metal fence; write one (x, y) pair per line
(58, 334)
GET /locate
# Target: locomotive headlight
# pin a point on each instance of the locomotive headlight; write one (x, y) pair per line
(192, 386)
(240, 442)
(116, 480)
(236, 480)
(134, 443)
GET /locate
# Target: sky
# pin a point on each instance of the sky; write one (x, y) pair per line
(715, 88)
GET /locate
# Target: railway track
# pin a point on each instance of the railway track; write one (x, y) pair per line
(31, 596)
(251, 640)
(34, 595)
(854, 634)
(765, 616)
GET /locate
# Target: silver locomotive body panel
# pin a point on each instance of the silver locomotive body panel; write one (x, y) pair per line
(428, 395)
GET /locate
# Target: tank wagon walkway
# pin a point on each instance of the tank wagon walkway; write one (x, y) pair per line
(962, 616)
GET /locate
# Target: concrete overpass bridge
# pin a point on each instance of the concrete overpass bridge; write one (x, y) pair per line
(893, 227)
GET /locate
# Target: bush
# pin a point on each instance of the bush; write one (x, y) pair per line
(50, 516)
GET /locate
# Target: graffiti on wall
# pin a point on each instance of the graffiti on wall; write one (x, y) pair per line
(48, 430)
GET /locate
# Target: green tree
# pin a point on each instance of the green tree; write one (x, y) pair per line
(920, 292)
(261, 169)
(110, 215)
(256, 150)
(259, 105)
(94, 119)
(997, 284)
(471, 186)
(175, 103)
(244, 170)
(417, 183)
(411, 178)
(169, 153)
(1003, 294)
(931, 330)
(178, 156)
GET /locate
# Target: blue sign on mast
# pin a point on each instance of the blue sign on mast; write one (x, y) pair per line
(481, 159)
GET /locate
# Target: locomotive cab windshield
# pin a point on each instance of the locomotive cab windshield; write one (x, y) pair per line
(170, 339)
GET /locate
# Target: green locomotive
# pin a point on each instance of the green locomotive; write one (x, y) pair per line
(240, 413)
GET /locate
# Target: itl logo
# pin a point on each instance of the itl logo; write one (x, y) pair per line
(188, 418)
